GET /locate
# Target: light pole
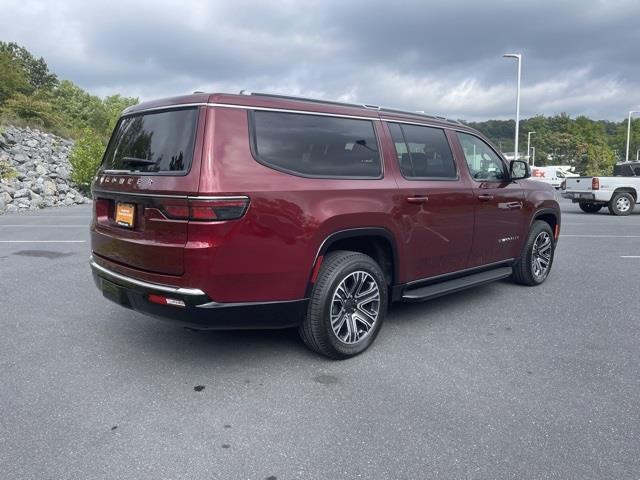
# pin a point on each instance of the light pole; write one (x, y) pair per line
(517, 56)
(533, 162)
(637, 155)
(529, 143)
(631, 112)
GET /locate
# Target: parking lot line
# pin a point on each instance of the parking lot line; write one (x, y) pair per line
(629, 256)
(45, 226)
(26, 217)
(602, 236)
(43, 241)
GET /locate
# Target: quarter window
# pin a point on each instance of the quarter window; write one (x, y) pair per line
(423, 152)
(315, 146)
(484, 164)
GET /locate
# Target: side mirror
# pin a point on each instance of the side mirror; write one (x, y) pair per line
(519, 170)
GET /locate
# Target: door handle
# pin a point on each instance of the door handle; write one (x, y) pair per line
(485, 197)
(418, 199)
(514, 205)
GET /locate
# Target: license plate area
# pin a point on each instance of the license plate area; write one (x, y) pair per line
(125, 214)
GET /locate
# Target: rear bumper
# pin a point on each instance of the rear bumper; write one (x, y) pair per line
(199, 311)
(588, 196)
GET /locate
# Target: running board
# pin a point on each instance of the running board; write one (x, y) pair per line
(437, 289)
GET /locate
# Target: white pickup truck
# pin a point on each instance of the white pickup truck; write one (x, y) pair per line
(618, 193)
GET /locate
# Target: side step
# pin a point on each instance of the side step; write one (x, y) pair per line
(438, 289)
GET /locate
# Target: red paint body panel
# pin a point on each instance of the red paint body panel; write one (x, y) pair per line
(269, 254)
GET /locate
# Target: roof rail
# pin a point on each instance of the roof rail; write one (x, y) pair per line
(348, 104)
(313, 100)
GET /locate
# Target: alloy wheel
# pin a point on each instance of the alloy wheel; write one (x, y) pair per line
(541, 255)
(355, 307)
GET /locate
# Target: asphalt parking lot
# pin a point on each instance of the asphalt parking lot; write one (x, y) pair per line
(501, 381)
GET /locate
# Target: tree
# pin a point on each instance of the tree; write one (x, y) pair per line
(13, 78)
(114, 106)
(36, 69)
(85, 159)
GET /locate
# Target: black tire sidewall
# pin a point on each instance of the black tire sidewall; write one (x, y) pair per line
(614, 209)
(537, 228)
(590, 207)
(358, 262)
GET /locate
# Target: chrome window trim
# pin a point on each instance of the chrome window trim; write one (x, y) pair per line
(303, 112)
(183, 197)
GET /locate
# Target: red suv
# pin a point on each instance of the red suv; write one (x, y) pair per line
(261, 211)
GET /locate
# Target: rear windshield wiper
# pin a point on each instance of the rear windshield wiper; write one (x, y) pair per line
(137, 161)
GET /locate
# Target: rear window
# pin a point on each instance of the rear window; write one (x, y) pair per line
(315, 146)
(153, 142)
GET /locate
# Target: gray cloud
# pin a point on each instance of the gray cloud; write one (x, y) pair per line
(580, 57)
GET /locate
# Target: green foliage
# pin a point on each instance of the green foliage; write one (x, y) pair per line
(31, 95)
(36, 69)
(36, 110)
(591, 146)
(85, 159)
(7, 172)
(13, 79)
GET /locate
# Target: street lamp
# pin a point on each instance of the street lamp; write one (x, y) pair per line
(637, 155)
(629, 131)
(533, 163)
(529, 143)
(517, 56)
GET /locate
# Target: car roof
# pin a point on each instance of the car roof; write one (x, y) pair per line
(287, 102)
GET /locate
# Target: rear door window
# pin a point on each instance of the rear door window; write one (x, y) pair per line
(155, 142)
(314, 145)
(423, 152)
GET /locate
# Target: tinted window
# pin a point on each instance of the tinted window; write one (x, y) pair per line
(423, 152)
(153, 142)
(484, 164)
(316, 146)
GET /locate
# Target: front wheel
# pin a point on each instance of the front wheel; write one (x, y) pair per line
(347, 306)
(590, 207)
(621, 204)
(534, 264)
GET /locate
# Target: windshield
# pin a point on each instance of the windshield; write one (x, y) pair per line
(153, 142)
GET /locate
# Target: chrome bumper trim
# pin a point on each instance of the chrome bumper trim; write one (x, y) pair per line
(140, 283)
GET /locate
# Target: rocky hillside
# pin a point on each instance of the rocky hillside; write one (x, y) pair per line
(34, 171)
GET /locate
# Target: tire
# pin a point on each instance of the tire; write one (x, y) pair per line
(530, 269)
(621, 204)
(343, 276)
(590, 207)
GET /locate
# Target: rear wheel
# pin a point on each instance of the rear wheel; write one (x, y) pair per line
(590, 207)
(534, 264)
(621, 204)
(347, 306)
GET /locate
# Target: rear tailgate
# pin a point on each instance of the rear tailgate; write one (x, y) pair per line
(582, 184)
(151, 165)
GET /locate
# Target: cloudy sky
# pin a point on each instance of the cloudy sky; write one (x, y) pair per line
(443, 57)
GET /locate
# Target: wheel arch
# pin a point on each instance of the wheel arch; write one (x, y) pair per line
(549, 216)
(630, 190)
(377, 242)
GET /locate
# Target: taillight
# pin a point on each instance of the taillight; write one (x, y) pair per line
(595, 183)
(217, 209)
(210, 209)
